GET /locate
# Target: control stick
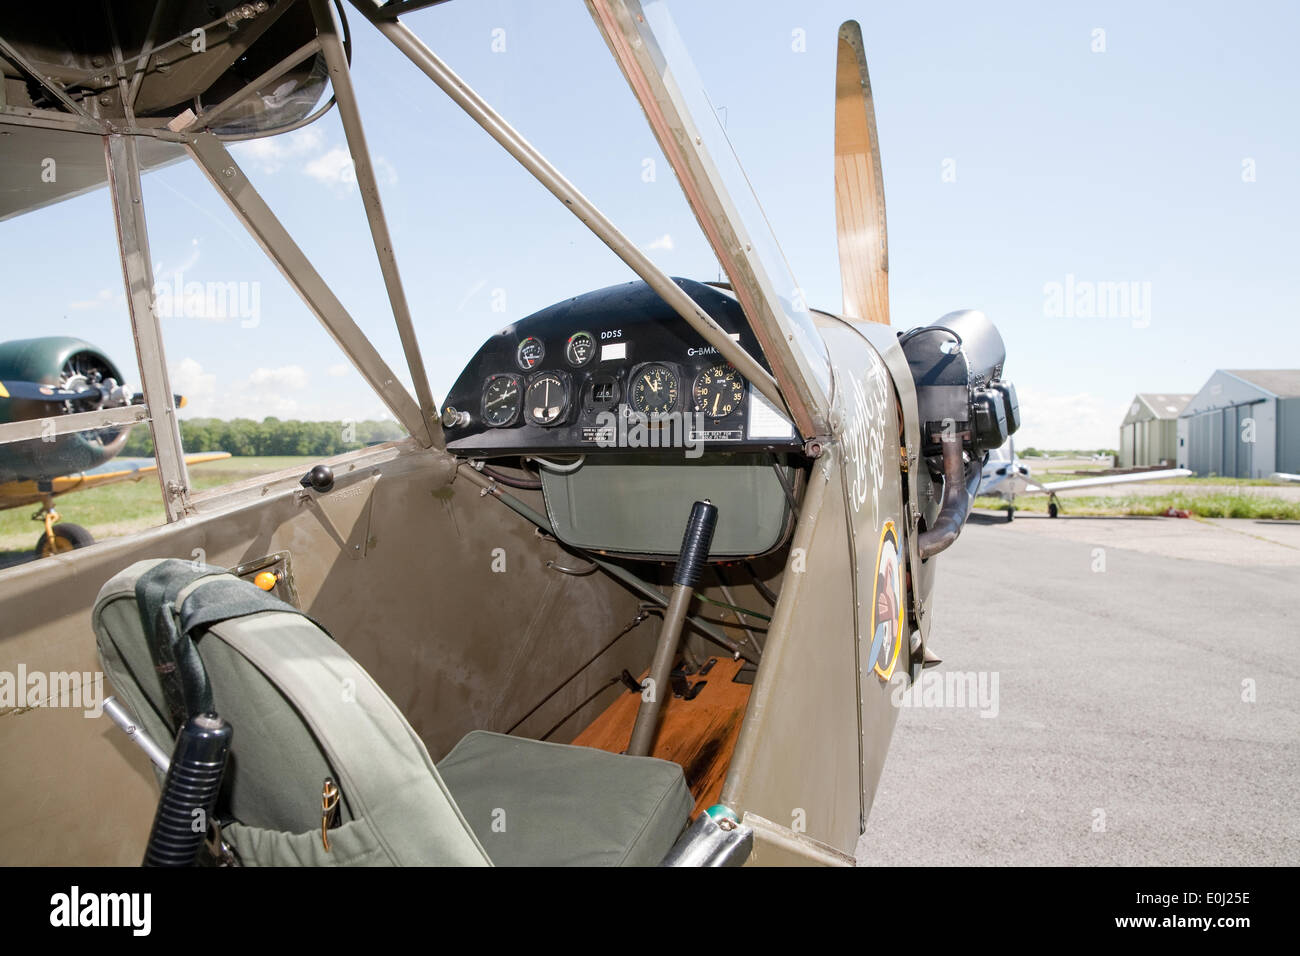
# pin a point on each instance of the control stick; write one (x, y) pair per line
(694, 553)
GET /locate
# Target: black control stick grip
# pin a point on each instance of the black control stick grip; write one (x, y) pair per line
(192, 784)
(696, 543)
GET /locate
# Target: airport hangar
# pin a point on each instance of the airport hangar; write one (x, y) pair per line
(1243, 423)
(1148, 436)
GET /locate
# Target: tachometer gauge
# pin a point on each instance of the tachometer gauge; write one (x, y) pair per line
(580, 349)
(503, 397)
(654, 389)
(530, 352)
(718, 391)
(547, 398)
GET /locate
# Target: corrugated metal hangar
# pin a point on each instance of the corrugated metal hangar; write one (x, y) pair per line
(1243, 423)
(1149, 433)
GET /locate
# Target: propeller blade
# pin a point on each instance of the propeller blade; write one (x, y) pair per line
(859, 186)
(36, 392)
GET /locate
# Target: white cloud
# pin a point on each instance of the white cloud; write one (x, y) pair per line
(333, 167)
(305, 150)
(1058, 421)
(663, 242)
(266, 391)
(271, 153)
(338, 371)
(189, 379)
(287, 376)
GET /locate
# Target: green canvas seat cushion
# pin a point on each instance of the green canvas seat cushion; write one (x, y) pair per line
(301, 709)
(532, 803)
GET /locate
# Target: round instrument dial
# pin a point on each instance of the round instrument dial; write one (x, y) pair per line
(503, 397)
(580, 349)
(654, 390)
(530, 352)
(547, 398)
(719, 391)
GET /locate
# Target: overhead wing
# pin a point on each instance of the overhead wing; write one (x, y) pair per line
(645, 42)
(250, 69)
(1038, 488)
(16, 494)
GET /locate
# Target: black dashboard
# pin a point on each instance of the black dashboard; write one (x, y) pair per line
(612, 370)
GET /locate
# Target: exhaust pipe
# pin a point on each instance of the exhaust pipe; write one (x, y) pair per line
(958, 496)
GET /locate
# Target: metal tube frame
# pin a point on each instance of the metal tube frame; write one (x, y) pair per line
(17, 59)
(50, 426)
(350, 114)
(251, 210)
(122, 156)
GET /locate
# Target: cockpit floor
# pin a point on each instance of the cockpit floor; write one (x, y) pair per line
(698, 734)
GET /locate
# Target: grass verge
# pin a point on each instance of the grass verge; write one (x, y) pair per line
(1216, 505)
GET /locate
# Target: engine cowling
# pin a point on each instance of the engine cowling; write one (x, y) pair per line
(65, 363)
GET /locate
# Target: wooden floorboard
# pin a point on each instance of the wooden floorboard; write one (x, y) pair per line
(699, 734)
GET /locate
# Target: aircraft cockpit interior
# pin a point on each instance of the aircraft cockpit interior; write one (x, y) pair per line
(638, 589)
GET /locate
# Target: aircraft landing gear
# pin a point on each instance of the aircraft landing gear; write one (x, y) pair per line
(1011, 512)
(61, 537)
(1053, 509)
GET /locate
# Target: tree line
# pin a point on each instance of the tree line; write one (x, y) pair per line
(270, 436)
(1067, 452)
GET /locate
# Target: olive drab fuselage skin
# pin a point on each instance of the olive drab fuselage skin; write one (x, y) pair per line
(875, 414)
(853, 612)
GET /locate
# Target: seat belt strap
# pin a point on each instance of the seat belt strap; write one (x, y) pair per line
(229, 598)
(186, 690)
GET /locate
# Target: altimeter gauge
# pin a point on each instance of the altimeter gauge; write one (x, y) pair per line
(654, 389)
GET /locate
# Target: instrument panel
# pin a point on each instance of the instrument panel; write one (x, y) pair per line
(616, 369)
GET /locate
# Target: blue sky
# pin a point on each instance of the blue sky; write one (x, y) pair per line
(1016, 155)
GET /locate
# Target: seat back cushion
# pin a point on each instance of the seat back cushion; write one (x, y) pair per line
(301, 710)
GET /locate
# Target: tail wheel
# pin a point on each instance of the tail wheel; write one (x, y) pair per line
(66, 537)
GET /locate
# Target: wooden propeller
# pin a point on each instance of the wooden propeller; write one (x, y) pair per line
(859, 186)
